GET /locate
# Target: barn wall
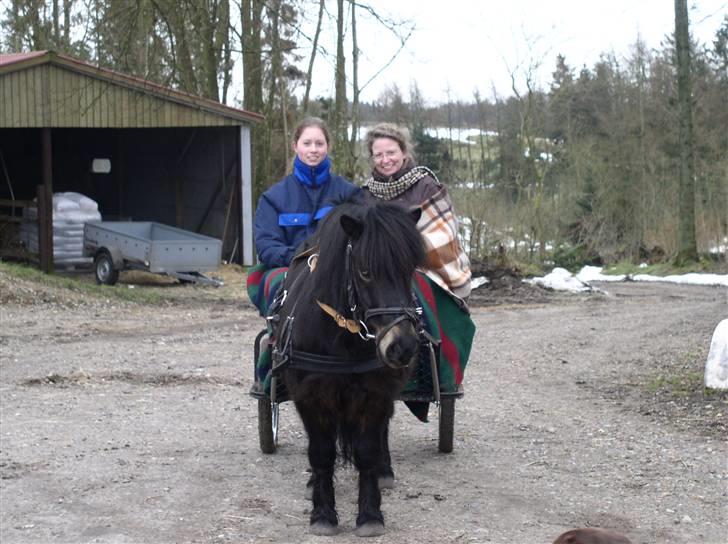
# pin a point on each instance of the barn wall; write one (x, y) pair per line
(53, 96)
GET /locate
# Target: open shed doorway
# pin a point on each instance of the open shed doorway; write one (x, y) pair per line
(185, 177)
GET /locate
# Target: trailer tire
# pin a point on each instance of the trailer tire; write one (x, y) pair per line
(104, 269)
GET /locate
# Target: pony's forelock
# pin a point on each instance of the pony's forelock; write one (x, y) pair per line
(390, 246)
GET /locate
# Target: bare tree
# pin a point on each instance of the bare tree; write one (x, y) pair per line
(309, 72)
(339, 112)
(687, 246)
(352, 153)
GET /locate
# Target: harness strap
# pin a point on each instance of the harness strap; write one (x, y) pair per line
(330, 364)
(349, 324)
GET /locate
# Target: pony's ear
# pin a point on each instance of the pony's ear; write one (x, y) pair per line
(416, 213)
(353, 227)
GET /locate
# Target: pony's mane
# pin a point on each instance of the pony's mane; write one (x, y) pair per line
(390, 247)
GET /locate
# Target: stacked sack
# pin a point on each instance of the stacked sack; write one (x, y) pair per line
(70, 212)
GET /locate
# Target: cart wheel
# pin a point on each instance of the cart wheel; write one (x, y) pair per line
(104, 268)
(267, 425)
(447, 424)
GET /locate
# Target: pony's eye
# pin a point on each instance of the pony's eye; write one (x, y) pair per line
(365, 275)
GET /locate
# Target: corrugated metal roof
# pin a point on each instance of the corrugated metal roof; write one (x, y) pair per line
(32, 96)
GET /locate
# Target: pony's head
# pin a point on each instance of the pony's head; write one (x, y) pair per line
(368, 254)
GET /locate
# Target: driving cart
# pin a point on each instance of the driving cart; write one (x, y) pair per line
(424, 387)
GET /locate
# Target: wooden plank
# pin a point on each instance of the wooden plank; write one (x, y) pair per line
(10, 218)
(16, 105)
(45, 220)
(84, 94)
(62, 104)
(6, 102)
(111, 105)
(123, 108)
(137, 110)
(36, 96)
(17, 203)
(23, 98)
(168, 114)
(104, 104)
(53, 94)
(59, 97)
(44, 95)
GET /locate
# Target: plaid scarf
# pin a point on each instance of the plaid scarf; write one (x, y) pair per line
(395, 186)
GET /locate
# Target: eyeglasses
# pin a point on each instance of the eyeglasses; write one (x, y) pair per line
(379, 157)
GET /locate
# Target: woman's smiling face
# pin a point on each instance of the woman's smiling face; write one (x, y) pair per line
(311, 146)
(388, 157)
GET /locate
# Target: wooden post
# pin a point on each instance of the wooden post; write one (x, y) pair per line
(45, 205)
(45, 228)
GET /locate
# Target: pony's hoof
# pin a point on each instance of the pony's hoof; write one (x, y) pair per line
(370, 528)
(323, 528)
(386, 482)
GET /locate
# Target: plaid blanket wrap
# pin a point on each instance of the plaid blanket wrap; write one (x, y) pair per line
(447, 264)
(442, 315)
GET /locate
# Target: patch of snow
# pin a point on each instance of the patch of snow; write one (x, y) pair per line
(477, 282)
(561, 279)
(691, 278)
(594, 273)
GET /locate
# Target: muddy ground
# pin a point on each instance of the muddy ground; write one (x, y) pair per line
(127, 422)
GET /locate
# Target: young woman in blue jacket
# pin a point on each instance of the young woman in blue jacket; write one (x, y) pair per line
(290, 210)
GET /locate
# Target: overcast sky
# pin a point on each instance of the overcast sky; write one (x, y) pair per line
(462, 45)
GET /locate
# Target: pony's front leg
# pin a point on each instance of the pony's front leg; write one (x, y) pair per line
(386, 474)
(322, 457)
(369, 458)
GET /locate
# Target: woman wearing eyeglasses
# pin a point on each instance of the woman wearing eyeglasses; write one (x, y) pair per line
(396, 178)
(443, 286)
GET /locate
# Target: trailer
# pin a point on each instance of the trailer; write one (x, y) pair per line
(152, 247)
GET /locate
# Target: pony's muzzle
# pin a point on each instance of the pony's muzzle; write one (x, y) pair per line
(398, 345)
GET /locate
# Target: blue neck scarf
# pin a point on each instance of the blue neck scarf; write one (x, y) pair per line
(312, 176)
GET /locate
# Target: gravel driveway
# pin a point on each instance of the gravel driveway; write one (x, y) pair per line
(125, 422)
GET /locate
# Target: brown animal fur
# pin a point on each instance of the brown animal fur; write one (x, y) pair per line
(591, 536)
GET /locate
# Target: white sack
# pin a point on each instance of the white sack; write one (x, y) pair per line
(716, 367)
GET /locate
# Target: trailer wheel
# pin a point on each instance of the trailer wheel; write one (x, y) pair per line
(267, 425)
(106, 274)
(447, 424)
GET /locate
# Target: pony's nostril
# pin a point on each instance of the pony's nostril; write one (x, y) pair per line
(402, 352)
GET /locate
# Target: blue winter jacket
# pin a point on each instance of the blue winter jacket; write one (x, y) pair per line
(290, 210)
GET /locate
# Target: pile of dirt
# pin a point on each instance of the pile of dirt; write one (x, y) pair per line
(505, 286)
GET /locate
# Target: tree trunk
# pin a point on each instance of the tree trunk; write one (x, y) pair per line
(67, 23)
(56, 24)
(251, 15)
(687, 246)
(207, 19)
(352, 154)
(338, 118)
(309, 73)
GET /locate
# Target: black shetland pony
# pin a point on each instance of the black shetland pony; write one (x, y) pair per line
(346, 341)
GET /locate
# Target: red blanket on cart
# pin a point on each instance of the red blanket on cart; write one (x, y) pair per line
(444, 319)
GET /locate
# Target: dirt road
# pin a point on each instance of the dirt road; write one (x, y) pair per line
(123, 422)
